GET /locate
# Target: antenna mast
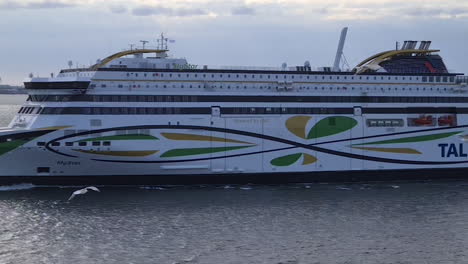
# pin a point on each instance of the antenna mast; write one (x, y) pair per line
(144, 43)
(162, 42)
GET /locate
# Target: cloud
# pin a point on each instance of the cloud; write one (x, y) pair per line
(44, 4)
(168, 11)
(436, 12)
(243, 10)
(317, 10)
(414, 10)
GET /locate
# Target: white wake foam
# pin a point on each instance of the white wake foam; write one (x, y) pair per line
(17, 187)
(153, 188)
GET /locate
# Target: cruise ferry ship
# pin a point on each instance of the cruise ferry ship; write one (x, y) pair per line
(141, 116)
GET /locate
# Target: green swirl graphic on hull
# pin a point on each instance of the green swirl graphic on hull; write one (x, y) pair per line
(326, 127)
(198, 151)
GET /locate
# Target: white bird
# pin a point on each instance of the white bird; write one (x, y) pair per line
(83, 191)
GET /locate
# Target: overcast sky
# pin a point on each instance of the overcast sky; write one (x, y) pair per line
(41, 36)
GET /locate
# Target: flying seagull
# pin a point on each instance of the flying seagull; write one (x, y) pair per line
(83, 191)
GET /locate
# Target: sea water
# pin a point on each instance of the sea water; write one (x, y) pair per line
(417, 222)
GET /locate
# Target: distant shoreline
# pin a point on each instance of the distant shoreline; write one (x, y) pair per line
(9, 89)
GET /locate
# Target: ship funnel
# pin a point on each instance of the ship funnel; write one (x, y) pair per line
(405, 44)
(428, 44)
(339, 52)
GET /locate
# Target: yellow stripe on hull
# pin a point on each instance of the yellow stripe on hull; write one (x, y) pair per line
(179, 136)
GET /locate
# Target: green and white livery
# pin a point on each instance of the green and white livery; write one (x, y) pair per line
(140, 117)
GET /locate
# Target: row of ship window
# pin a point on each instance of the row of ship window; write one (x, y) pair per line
(217, 98)
(292, 76)
(277, 87)
(80, 143)
(238, 110)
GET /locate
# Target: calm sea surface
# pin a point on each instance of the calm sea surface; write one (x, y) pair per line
(425, 222)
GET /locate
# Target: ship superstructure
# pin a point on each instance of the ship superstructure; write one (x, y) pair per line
(141, 116)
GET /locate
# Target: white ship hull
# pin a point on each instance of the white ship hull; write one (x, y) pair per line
(160, 120)
(229, 147)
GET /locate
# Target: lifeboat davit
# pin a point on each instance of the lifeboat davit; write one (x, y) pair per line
(424, 120)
